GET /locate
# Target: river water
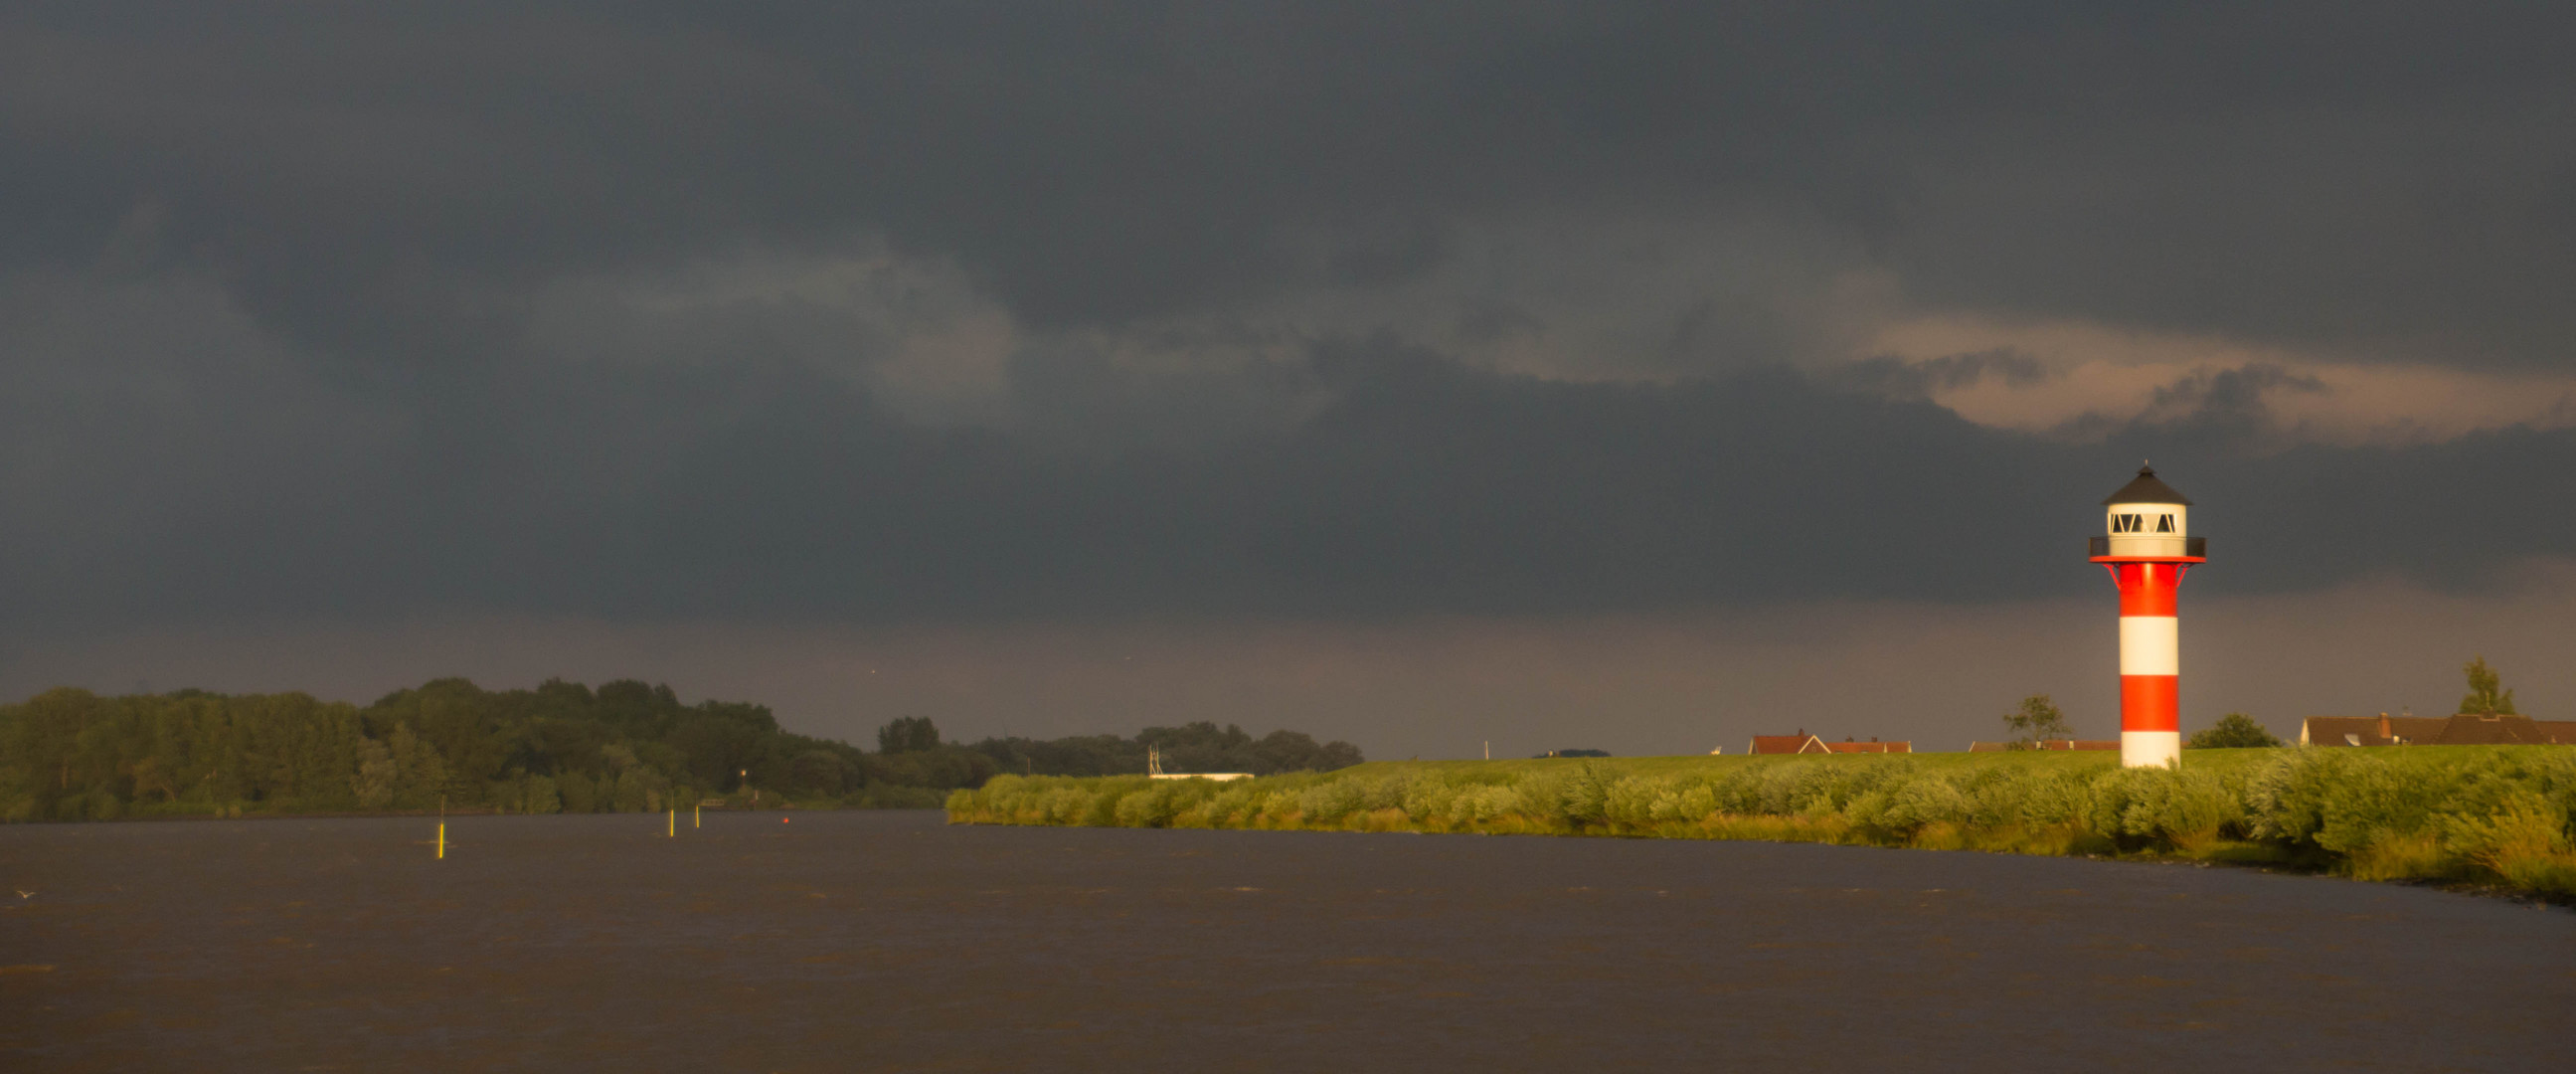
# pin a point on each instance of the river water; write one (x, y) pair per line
(892, 942)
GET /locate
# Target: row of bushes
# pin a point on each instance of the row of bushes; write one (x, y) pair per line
(2477, 815)
(68, 754)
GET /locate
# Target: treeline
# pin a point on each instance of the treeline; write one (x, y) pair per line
(562, 747)
(69, 754)
(1191, 747)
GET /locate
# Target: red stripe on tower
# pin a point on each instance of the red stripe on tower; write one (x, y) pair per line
(2147, 550)
(2150, 703)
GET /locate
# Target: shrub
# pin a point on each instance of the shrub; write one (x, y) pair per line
(2391, 855)
(2498, 815)
(2235, 730)
(1331, 801)
(1921, 801)
(2182, 809)
(1152, 807)
(2524, 842)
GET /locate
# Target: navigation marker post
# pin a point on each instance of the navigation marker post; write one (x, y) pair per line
(2147, 550)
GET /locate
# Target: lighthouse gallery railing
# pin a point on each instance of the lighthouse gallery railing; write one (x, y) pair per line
(2194, 547)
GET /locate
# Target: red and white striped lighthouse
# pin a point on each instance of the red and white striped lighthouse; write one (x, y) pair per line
(2147, 549)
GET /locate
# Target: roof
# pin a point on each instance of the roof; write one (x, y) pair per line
(1797, 743)
(2372, 730)
(1802, 742)
(2147, 488)
(2461, 730)
(2468, 730)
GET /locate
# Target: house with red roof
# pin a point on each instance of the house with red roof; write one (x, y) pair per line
(1802, 742)
(2464, 729)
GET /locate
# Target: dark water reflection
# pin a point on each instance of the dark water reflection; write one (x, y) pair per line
(891, 942)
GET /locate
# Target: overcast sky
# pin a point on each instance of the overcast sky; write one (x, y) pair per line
(1587, 374)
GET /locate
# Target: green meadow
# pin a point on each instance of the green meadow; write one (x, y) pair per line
(2495, 817)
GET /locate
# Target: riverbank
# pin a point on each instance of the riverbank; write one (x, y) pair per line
(2488, 816)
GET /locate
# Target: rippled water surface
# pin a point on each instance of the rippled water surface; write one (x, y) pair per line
(889, 941)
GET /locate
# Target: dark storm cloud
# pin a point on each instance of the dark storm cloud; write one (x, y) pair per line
(1421, 485)
(2372, 177)
(288, 328)
(1918, 380)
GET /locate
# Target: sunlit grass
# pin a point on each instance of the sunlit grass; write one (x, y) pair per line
(2494, 816)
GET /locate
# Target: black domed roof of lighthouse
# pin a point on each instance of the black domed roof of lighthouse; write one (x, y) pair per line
(2147, 488)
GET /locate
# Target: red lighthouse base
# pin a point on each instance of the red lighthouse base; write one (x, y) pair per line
(2150, 658)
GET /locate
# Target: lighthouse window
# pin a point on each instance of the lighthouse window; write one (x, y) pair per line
(2128, 523)
(2164, 524)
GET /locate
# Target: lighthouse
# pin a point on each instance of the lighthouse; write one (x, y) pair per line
(2147, 546)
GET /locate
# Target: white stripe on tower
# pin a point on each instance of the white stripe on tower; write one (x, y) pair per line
(2150, 749)
(2150, 645)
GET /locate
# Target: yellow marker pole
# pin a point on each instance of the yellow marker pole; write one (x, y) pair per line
(442, 840)
(675, 823)
(693, 815)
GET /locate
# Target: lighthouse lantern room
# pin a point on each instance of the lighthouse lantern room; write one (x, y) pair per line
(2147, 546)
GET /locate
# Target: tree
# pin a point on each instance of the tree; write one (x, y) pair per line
(2036, 721)
(909, 734)
(818, 770)
(2234, 731)
(2485, 698)
(1293, 751)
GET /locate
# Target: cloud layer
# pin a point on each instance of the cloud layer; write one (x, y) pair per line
(1140, 312)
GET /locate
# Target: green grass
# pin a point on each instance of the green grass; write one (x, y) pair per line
(1699, 763)
(2495, 816)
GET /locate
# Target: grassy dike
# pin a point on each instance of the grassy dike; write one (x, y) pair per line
(2491, 816)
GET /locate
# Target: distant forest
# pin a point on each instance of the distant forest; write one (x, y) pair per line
(69, 754)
